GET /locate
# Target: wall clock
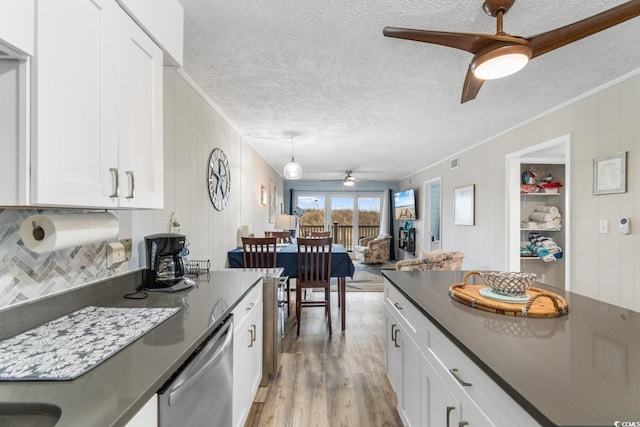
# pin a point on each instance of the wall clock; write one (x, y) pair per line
(218, 179)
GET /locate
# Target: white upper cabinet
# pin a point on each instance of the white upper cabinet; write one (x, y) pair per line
(163, 20)
(140, 117)
(96, 114)
(74, 137)
(16, 27)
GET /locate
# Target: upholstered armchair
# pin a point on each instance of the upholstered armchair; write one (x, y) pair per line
(374, 249)
(441, 261)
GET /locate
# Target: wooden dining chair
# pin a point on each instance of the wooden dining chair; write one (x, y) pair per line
(282, 236)
(314, 271)
(261, 252)
(319, 234)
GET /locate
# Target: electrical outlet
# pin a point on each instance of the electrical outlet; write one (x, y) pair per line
(604, 226)
(127, 248)
(115, 254)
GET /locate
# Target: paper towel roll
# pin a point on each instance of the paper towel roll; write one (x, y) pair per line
(46, 233)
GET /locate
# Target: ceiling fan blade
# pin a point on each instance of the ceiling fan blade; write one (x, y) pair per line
(546, 42)
(469, 42)
(472, 86)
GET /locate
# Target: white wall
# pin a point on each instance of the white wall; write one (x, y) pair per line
(604, 266)
(193, 127)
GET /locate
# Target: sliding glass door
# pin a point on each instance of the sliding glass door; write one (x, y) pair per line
(348, 217)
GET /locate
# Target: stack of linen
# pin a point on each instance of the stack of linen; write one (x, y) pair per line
(544, 247)
(544, 218)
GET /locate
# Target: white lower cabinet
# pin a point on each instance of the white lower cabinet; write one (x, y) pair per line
(435, 383)
(147, 416)
(403, 363)
(247, 353)
(440, 406)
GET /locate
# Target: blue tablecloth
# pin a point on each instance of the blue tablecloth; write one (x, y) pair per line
(341, 264)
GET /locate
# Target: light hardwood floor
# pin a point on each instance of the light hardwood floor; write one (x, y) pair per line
(334, 380)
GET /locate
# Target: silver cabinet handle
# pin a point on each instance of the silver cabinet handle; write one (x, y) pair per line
(395, 337)
(449, 410)
(396, 305)
(393, 327)
(116, 182)
(250, 307)
(132, 185)
(463, 423)
(255, 334)
(455, 374)
(252, 337)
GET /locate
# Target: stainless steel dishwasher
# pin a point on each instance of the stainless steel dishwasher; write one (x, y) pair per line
(200, 393)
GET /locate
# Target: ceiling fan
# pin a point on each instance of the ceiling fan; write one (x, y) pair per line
(502, 54)
(348, 181)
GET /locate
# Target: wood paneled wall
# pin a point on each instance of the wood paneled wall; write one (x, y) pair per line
(604, 266)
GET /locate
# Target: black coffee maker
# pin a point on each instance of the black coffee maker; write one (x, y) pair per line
(166, 266)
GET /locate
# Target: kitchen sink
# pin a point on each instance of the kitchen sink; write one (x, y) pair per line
(29, 414)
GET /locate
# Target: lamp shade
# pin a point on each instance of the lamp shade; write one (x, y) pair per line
(285, 222)
(292, 170)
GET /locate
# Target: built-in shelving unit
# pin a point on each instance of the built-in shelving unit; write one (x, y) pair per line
(552, 271)
(407, 240)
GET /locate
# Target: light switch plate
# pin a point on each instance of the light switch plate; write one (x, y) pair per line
(604, 226)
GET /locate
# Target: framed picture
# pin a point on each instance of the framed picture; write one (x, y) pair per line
(273, 201)
(610, 174)
(464, 205)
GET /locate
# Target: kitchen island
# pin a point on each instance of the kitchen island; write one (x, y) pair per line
(582, 369)
(112, 392)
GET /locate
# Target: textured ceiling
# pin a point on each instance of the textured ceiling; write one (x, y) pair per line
(322, 71)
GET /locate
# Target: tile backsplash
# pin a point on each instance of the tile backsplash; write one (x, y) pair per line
(26, 275)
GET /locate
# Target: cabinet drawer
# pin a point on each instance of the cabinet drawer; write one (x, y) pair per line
(247, 306)
(469, 382)
(415, 323)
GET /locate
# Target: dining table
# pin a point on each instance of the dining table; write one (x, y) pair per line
(287, 259)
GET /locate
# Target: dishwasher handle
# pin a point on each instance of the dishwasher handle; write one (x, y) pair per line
(176, 392)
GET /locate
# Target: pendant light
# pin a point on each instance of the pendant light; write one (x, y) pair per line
(292, 170)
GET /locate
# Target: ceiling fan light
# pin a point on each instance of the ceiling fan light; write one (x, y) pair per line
(348, 182)
(292, 170)
(500, 62)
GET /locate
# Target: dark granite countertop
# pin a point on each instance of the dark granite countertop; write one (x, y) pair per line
(582, 369)
(111, 393)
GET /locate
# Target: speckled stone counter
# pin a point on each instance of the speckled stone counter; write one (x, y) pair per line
(582, 369)
(114, 391)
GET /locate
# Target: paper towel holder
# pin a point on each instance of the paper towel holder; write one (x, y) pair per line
(38, 232)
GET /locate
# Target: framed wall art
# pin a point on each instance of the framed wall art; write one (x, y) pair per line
(610, 174)
(464, 205)
(273, 201)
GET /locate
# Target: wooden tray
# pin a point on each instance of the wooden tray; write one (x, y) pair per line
(541, 303)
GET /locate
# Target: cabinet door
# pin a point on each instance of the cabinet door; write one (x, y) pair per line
(17, 25)
(147, 416)
(411, 403)
(254, 355)
(440, 406)
(139, 118)
(393, 356)
(74, 103)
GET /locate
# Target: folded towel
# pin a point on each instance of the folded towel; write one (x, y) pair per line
(542, 217)
(548, 209)
(550, 225)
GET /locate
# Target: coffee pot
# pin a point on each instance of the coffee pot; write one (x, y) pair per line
(167, 267)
